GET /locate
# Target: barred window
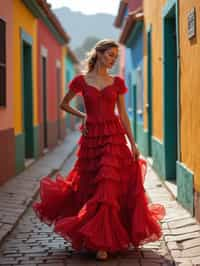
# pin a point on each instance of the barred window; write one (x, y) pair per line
(2, 63)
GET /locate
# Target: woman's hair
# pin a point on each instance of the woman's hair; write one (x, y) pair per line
(101, 46)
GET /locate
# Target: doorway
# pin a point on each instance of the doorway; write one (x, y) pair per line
(27, 100)
(44, 101)
(149, 91)
(133, 99)
(170, 88)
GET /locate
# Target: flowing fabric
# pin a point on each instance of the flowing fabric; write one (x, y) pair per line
(101, 203)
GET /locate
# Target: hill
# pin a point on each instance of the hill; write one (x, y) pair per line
(80, 26)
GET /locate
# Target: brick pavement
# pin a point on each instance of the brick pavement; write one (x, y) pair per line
(18, 193)
(181, 232)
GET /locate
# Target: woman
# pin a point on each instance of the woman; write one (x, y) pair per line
(101, 205)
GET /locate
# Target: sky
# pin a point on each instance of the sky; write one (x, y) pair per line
(88, 6)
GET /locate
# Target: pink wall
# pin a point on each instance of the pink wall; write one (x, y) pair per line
(122, 61)
(46, 39)
(134, 4)
(6, 114)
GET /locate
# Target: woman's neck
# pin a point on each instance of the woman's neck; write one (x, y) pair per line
(100, 71)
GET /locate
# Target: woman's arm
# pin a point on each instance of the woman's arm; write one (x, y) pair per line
(64, 105)
(126, 123)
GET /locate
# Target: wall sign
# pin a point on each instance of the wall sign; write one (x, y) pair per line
(192, 23)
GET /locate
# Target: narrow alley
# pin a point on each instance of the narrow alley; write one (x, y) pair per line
(121, 79)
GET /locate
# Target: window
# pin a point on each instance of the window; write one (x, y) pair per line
(2, 63)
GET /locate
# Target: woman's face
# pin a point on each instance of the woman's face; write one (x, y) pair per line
(108, 58)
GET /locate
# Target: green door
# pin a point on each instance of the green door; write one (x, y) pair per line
(134, 103)
(170, 87)
(44, 89)
(149, 90)
(135, 111)
(28, 100)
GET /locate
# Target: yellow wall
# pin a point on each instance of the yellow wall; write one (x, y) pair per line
(190, 91)
(25, 20)
(189, 80)
(153, 16)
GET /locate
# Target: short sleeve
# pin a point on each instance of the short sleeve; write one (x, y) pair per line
(75, 85)
(122, 88)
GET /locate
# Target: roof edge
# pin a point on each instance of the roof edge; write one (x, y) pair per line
(120, 14)
(131, 20)
(41, 9)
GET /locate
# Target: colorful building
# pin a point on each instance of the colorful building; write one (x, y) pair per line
(36, 31)
(171, 128)
(32, 83)
(130, 20)
(7, 131)
(174, 134)
(51, 41)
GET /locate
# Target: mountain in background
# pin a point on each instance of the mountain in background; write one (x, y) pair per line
(80, 26)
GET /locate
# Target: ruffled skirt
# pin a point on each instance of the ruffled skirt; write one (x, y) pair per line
(102, 203)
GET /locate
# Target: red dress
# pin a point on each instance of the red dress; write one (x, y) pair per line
(101, 204)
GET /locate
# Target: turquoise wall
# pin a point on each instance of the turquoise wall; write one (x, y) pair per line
(70, 73)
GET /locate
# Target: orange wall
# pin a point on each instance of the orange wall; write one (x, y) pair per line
(153, 15)
(190, 91)
(6, 114)
(25, 20)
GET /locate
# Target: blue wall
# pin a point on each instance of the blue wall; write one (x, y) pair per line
(128, 71)
(134, 61)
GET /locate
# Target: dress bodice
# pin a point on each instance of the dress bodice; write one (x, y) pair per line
(99, 104)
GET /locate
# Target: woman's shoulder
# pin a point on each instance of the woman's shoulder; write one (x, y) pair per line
(75, 83)
(77, 77)
(118, 78)
(121, 84)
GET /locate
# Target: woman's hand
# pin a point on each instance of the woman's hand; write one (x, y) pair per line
(84, 128)
(135, 151)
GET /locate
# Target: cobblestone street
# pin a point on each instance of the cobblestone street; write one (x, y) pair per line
(33, 243)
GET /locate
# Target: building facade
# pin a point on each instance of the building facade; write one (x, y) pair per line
(171, 128)
(32, 83)
(7, 131)
(130, 20)
(50, 87)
